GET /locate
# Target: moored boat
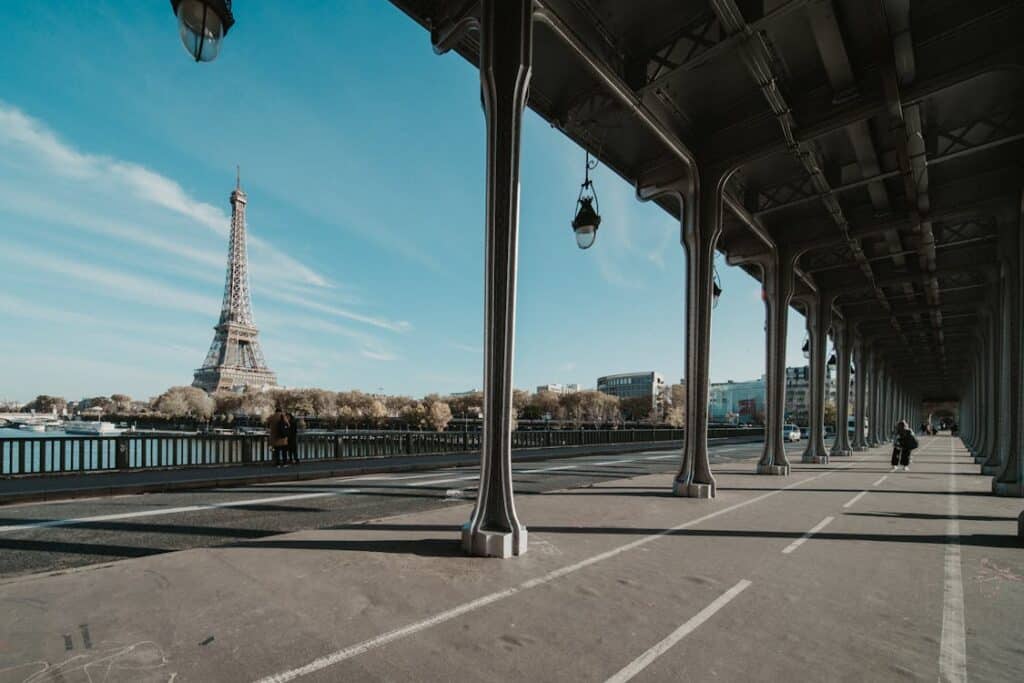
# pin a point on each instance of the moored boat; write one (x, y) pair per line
(91, 428)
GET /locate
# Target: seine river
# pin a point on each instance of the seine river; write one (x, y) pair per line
(6, 433)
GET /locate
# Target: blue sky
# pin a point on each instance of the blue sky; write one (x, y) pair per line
(363, 157)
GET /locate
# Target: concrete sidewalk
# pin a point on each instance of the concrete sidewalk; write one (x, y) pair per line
(620, 578)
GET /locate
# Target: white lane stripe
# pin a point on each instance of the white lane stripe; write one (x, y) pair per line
(442, 481)
(612, 462)
(321, 663)
(884, 477)
(547, 469)
(800, 541)
(853, 500)
(953, 643)
(172, 511)
(644, 660)
(662, 457)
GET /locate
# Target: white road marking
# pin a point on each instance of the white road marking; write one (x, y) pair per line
(800, 541)
(644, 660)
(612, 462)
(884, 477)
(333, 658)
(853, 500)
(442, 481)
(547, 469)
(662, 457)
(953, 643)
(172, 511)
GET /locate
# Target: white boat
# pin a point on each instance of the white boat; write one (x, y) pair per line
(91, 428)
(33, 427)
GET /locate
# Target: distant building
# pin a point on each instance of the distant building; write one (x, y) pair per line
(798, 392)
(559, 388)
(738, 402)
(648, 385)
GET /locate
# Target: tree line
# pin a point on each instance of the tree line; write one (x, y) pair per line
(359, 409)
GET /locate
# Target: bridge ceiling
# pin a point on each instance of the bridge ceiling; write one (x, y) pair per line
(883, 139)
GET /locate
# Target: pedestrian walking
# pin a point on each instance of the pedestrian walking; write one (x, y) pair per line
(903, 444)
(293, 439)
(278, 427)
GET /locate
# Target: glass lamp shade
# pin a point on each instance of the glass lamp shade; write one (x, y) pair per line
(585, 236)
(832, 359)
(586, 223)
(201, 29)
(807, 348)
(716, 294)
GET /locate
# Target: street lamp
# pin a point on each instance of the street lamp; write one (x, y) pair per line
(807, 347)
(716, 289)
(587, 219)
(202, 25)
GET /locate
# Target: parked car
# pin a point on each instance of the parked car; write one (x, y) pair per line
(790, 433)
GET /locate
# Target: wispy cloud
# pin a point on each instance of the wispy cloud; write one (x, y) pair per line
(19, 131)
(112, 282)
(278, 276)
(468, 348)
(383, 323)
(378, 355)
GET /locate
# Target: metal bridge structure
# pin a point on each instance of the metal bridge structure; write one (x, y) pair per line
(861, 158)
(235, 358)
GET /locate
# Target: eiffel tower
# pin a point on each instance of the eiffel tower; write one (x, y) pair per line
(235, 360)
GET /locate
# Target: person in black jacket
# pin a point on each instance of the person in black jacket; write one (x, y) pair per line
(903, 444)
(293, 439)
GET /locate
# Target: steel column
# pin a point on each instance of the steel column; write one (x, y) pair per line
(842, 334)
(1009, 481)
(701, 230)
(778, 292)
(993, 461)
(506, 45)
(859, 394)
(819, 317)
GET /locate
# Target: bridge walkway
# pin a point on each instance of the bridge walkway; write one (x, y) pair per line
(840, 571)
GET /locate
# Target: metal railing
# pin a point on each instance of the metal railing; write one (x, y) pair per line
(68, 454)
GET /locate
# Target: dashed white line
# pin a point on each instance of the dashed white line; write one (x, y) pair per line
(644, 660)
(442, 481)
(879, 482)
(612, 462)
(803, 539)
(333, 658)
(853, 501)
(952, 644)
(548, 469)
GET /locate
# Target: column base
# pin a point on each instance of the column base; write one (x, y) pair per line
(815, 459)
(990, 470)
(1020, 528)
(858, 449)
(693, 490)
(979, 459)
(841, 453)
(1008, 490)
(484, 543)
(777, 470)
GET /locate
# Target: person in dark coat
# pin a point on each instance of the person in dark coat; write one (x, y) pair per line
(278, 427)
(293, 439)
(904, 443)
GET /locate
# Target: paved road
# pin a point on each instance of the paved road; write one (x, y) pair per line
(41, 537)
(839, 572)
